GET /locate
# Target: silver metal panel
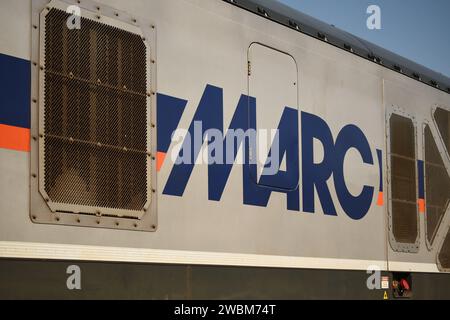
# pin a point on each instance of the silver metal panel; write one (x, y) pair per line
(206, 42)
(273, 81)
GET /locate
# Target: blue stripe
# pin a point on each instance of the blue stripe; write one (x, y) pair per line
(170, 110)
(421, 173)
(15, 87)
(380, 167)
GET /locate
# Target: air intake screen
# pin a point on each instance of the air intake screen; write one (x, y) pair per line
(444, 254)
(95, 151)
(403, 180)
(437, 185)
(442, 118)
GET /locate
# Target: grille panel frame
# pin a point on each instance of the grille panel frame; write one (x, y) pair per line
(135, 208)
(412, 247)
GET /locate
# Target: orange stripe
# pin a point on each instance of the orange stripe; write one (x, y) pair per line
(160, 157)
(421, 205)
(380, 201)
(14, 138)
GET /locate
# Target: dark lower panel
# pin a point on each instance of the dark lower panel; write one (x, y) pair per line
(21, 279)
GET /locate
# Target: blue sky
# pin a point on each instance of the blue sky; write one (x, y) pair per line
(416, 29)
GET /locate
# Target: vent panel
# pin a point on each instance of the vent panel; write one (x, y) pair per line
(444, 254)
(437, 186)
(95, 116)
(404, 216)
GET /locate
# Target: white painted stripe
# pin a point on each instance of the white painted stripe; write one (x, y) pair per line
(27, 250)
(397, 266)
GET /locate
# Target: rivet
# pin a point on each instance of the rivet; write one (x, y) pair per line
(33, 217)
(135, 225)
(34, 175)
(34, 27)
(153, 227)
(153, 125)
(117, 224)
(34, 100)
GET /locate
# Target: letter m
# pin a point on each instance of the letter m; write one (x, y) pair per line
(210, 114)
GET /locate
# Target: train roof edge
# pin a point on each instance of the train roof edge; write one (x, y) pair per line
(291, 18)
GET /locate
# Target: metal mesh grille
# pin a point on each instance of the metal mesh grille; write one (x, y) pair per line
(437, 185)
(442, 118)
(403, 180)
(95, 115)
(444, 254)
